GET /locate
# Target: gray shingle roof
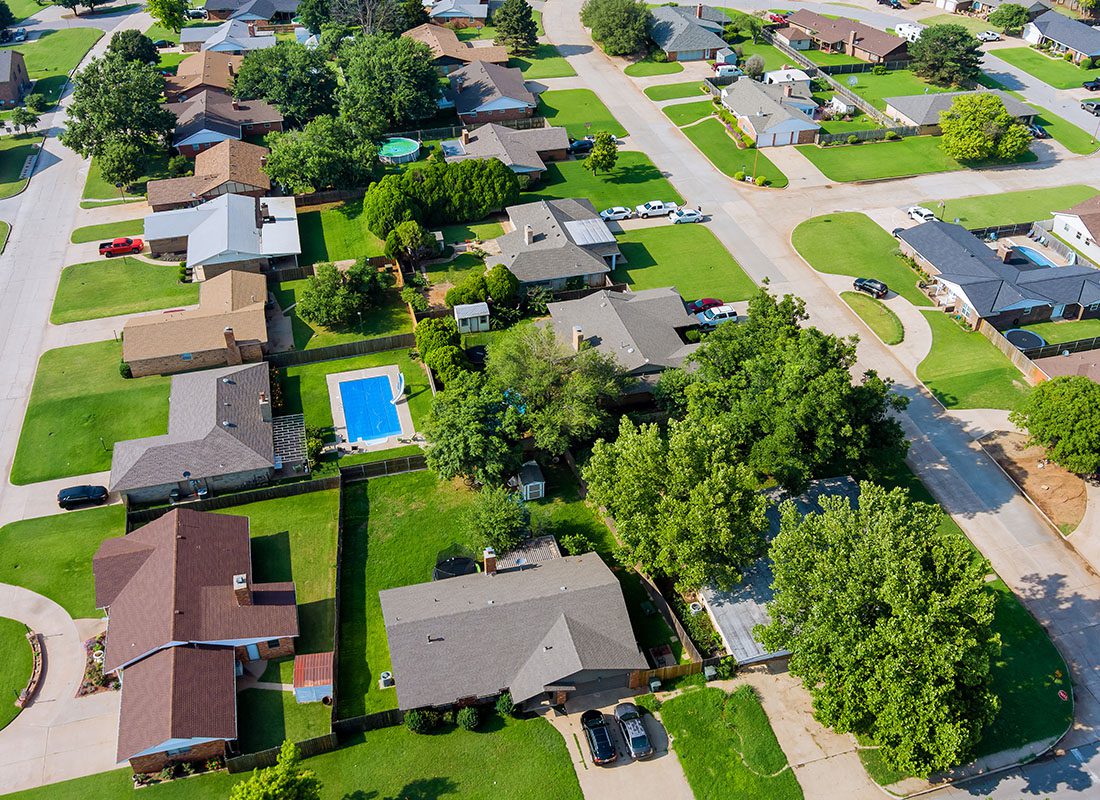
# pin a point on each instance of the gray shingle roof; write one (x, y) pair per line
(553, 254)
(7, 61)
(746, 97)
(1069, 32)
(483, 82)
(676, 32)
(516, 149)
(924, 109)
(476, 635)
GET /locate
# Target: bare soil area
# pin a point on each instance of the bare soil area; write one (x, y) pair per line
(1058, 493)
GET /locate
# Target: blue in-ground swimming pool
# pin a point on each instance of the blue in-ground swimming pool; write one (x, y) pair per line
(369, 412)
(1035, 257)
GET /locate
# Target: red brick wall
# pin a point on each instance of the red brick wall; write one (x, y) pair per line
(495, 116)
(155, 762)
(284, 650)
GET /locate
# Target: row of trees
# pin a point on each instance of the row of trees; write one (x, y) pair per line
(620, 26)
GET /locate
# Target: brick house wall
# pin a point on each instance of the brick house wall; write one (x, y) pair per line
(11, 92)
(475, 118)
(283, 649)
(220, 483)
(260, 128)
(251, 352)
(155, 762)
(192, 47)
(554, 155)
(175, 244)
(208, 271)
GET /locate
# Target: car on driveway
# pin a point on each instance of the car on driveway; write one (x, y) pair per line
(161, 44)
(1092, 85)
(713, 317)
(1091, 106)
(920, 213)
(598, 734)
(684, 215)
(616, 213)
(989, 36)
(580, 146)
(20, 35)
(77, 496)
(1038, 131)
(780, 19)
(655, 208)
(637, 740)
(701, 305)
(875, 288)
(121, 246)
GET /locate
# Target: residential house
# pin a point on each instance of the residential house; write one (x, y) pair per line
(279, 12)
(1064, 35)
(228, 232)
(923, 110)
(484, 92)
(229, 167)
(684, 35)
(472, 317)
(460, 13)
(984, 8)
(1080, 227)
(228, 328)
(794, 38)
(220, 438)
(795, 77)
(212, 116)
(449, 52)
(844, 35)
(643, 331)
(772, 115)
(558, 244)
(183, 610)
(547, 632)
(1003, 286)
(196, 73)
(14, 81)
(233, 36)
(524, 152)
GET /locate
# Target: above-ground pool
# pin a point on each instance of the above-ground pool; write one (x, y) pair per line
(398, 150)
(369, 412)
(1024, 340)
(1034, 256)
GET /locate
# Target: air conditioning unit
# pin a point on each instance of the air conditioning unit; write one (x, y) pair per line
(385, 680)
(695, 608)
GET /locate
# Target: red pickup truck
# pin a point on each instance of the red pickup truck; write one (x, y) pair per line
(121, 246)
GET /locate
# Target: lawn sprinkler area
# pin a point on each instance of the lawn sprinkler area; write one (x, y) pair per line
(369, 409)
(399, 150)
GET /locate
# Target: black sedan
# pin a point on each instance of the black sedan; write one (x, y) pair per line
(870, 286)
(1092, 85)
(598, 734)
(76, 496)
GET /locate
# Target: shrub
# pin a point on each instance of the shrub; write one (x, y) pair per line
(421, 720)
(124, 369)
(693, 335)
(501, 284)
(504, 704)
(472, 289)
(576, 543)
(497, 518)
(698, 626)
(760, 180)
(739, 175)
(315, 445)
(433, 333)
(187, 768)
(725, 668)
(1087, 63)
(468, 718)
(648, 702)
(413, 296)
(213, 765)
(167, 773)
(891, 136)
(447, 362)
(181, 275)
(852, 139)
(879, 69)
(35, 102)
(179, 166)
(1067, 56)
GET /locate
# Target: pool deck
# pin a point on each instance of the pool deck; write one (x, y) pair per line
(404, 416)
(1057, 259)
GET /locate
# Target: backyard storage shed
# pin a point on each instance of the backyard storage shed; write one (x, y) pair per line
(530, 481)
(313, 677)
(472, 317)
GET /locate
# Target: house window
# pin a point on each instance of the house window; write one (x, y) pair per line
(272, 643)
(1025, 311)
(1094, 307)
(1078, 234)
(178, 752)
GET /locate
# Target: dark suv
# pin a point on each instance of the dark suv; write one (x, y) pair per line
(598, 734)
(637, 740)
(871, 286)
(76, 496)
(1092, 85)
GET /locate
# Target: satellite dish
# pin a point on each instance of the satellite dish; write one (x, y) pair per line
(853, 80)
(1065, 352)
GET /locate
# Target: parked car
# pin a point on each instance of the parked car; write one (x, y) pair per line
(598, 734)
(870, 286)
(20, 35)
(637, 740)
(578, 146)
(123, 245)
(77, 496)
(778, 19)
(655, 208)
(1038, 131)
(196, 13)
(684, 215)
(160, 44)
(892, 3)
(989, 36)
(920, 213)
(701, 305)
(616, 213)
(5, 36)
(713, 317)
(1092, 85)
(1091, 106)
(592, 138)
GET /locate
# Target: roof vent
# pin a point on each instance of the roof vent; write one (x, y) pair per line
(548, 647)
(565, 588)
(226, 423)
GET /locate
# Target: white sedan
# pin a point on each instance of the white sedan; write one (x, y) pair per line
(616, 213)
(989, 36)
(684, 215)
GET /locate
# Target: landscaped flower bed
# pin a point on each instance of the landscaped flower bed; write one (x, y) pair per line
(95, 681)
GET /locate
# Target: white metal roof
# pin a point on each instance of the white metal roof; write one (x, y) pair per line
(589, 231)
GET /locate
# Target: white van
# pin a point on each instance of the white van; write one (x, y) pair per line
(727, 71)
(909, 31)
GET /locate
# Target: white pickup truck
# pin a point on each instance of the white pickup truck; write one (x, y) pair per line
(655, 208)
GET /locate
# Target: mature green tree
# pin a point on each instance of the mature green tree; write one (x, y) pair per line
(563, 392)
(406, 15)
(447, 363)
(889, 622)
(411, 244)
(785, 397)
(6, 17)
(472, 432)
(389, 83)
(287, 780)
(604, 154)
(314, 13)
(35, 101)
(117, 99)
(386, 205)
(326, 154)
(502, 285)
(133, 45)
(753, 66)
(1010, 16)
(23, 117)
(471, 289)
(70, 4)
(744, 26)
(333, 297)
(91, 4)
(298, 81)
(516, 27)
(170, 14)
(684, 508)
(120, 163)
(435, 332)
(620, 26)
(947, 55)
(1063, 415)
(498, 518)
(977, 127)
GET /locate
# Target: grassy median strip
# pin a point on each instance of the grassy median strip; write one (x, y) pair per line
(879, 318)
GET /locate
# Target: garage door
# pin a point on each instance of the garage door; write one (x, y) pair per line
(691, 55)
(776, 139)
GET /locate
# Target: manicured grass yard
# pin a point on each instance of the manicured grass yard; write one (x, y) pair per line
(648, 68)
(1061, 130)
(715, 143)
(337, 232)
(964, 370)
(984, 210)
(879, 318)
(727, 747)
(266, 717)
(95, 188)
(915, 155)
(53, 555)
(15, 667)
(579, 111)
(79, 407)
(894, 83)
(634, 180)
(545, 62)
(52, 55)
(972, 24)
(774, 58)
(108, 230)
(454, 271)
(823, 59)
(118, 286)
(688, 257)
(672, 91)
(1071, 330)
(21, 9)
(392, 317)
(478, 230)
(849, 243)
(14, 152)
(684, 113)
(1058, 73)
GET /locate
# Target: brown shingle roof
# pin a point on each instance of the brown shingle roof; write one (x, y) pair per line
(231, 160)
(874, 41)
(213, 109)
(1089, 213)
(208, 69)
(481, 83)
(444, 43)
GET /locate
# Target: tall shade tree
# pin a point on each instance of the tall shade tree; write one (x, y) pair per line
(170, 14)
(947, 55)
(407, 14)
(6, 17)
(498, 518)
(977, 127)
(1063, 415)
(287, 780)
(411, 244)
(133, 45)
(682, 506)
(620, 26)
(516, 27)
(120, 163)
(604, 154)
(889, 623)
(24, 117)
(744, 26)
(1012, 17)
(334, 297)
(389, 83)
(326, 154)
(115, 99)
(315, 13)
(300, 82)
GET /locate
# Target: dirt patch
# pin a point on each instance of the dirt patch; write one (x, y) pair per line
(1058, 493)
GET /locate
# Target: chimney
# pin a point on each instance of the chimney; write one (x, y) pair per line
(851, 42)
(265, 407)
(236, 105)
(465, 136)
(528, 235)
(241, 590)
(699, 11)
(490, 558)
(459, 80)
(232, 351)
(1005, 250)
(578, 338)
(788, 89)
(263, 161)
(251, 29)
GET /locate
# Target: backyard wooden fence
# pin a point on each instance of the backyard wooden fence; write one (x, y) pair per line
(337, 595)
(1032, 373)
(847, 69)
(376, 344)
(1076, 346)
(367, 722)
(267, 758)
(639, 679)
(998, 231)
(380, 469)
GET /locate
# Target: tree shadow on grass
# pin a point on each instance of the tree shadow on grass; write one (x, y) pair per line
(355, 674)
(271, 558)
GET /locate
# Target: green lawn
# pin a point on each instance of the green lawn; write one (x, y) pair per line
(15, 667)
(79, 407)
(455, 270)
(894, 83)
(53, 55)
(685, 113)
(170, 61)
(850, 243)
(21, 9)
(879, 318)
(673, 91)
(1069, 331)
(108, 230)
(972, 24)
(503, 760)
(648, 68)
(714, 142)
(14, 152)
(823, 59)
(337, 232)
(915, 155)
(964, 370)
(484, 231)
(5, 230)
(392, 317)
(727, 747)
(53, 555)
(773, 57)
(688, 257)
(266, 717)
(634, 180)
(154, 167)
(579, 111)
(546, 62)
(1065, 132)
(1030, 205)
(118, 286)
(1054, 71)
